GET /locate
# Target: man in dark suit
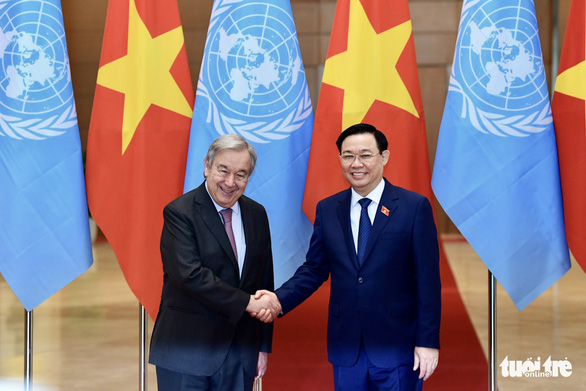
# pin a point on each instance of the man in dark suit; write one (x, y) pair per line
(216, 252)
(383, 258)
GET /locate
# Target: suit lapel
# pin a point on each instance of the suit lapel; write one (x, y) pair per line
(211, 218)
(246, 214)
(385, 210)
(344, 217)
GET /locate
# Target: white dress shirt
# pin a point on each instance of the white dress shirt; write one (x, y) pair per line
(355, 208)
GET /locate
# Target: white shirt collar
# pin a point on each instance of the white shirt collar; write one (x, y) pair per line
(375, 195)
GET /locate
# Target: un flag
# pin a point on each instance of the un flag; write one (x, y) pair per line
(252, 83)
(496, 170)
(44, 238)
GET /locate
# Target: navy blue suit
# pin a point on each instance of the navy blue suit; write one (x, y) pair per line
(392, 302)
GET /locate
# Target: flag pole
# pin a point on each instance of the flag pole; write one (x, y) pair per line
(555, 44)
(28, 351)
(555, 65)
(143, 349)
(492, 386)
(492, 379)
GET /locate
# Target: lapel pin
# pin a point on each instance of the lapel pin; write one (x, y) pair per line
(385, 211)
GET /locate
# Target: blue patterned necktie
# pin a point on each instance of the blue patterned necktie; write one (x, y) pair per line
(363, 229)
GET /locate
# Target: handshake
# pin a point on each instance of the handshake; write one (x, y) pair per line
(264, 306)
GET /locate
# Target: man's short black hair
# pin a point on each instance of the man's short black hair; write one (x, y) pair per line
(381, 140)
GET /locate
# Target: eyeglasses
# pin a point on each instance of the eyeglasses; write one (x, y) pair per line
(348, 158)
(224, 173)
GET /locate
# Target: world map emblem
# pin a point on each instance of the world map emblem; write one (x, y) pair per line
(498, 69)
(36, 96)
(252, 74)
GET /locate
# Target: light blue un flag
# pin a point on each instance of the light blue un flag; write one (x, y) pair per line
(44, 230)
(496, 169)
(252, 83)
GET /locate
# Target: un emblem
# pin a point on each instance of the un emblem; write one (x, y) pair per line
(252, 74)
(36, 97)
(498, 69)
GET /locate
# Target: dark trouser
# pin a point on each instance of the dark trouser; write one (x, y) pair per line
(230, 377)
(365, 376)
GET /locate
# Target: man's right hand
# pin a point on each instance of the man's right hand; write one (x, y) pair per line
(264, 306)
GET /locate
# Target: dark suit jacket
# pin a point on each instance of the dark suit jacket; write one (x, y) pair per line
(393, 300)
(204, 299)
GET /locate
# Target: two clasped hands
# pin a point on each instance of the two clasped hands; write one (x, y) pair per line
(264, 306)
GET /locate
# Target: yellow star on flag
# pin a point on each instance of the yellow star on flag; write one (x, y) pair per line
(572, 81)
(367, 71)
(144, 76)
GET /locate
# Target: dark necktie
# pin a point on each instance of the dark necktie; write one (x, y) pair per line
(363, 229)
(227, 216)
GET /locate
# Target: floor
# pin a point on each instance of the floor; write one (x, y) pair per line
(86, 337)
(554, 325)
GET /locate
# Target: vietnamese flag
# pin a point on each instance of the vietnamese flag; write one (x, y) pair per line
(138, 137)
(569, 117)
(370, 76)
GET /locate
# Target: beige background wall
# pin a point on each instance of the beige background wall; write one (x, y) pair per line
(435, 26)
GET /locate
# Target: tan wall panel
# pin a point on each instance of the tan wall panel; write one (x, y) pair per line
(84, 46)
(313, 82)
(543, 10)
(326, 16)
(435, 16)
(434, 48)
(195, 14)
(564, 11)
(309, 45)
(194, 45)
(434, 88)
(83, 78)
(84, 15)
(84, 109)
(306, 16)
(324, 40)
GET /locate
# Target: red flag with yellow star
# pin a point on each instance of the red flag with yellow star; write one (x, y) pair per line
(569, 116)
(138, 137)
(370, 76)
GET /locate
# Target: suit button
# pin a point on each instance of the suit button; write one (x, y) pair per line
(360, 280)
